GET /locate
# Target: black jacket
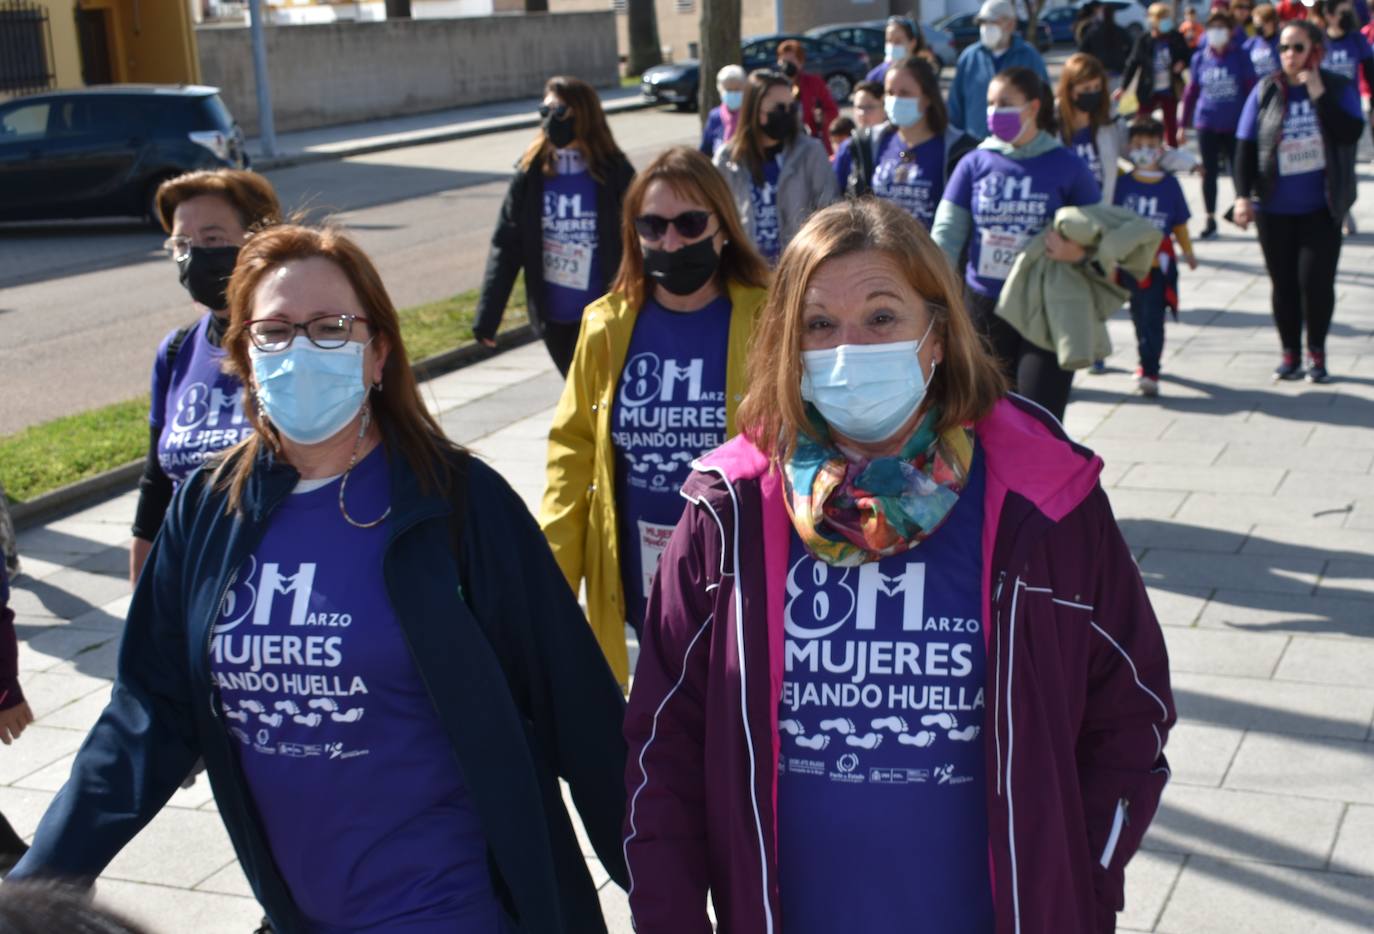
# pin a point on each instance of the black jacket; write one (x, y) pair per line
(1108, 42)
(1257, 160)
(518, 243)
(508, 660)
(869, 141)
(1142, 62)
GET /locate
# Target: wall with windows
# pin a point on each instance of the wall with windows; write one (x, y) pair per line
(53, 33)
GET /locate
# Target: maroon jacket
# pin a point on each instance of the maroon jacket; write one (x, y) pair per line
(1079, 700)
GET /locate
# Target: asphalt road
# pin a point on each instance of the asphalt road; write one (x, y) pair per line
(83, 306)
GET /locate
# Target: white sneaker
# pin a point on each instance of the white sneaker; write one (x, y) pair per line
(1147, 385)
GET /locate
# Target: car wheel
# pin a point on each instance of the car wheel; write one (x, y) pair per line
(839, 86)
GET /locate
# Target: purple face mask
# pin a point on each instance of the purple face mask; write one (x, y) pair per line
(1005, 122)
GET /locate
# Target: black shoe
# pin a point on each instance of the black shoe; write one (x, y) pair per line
(1316, 372)
(1210, 231)
(1289, 369)
(265, 927)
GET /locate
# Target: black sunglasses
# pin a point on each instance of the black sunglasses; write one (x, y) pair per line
(558, 112)
(689, 224)
(1295, 47)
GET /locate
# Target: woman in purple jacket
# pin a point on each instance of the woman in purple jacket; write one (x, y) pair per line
(1219, 78)
(900, 624)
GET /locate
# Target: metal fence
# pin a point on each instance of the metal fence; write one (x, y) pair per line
(25, 48)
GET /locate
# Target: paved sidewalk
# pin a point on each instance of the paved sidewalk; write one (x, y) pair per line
(1249, 505)
(356, 139)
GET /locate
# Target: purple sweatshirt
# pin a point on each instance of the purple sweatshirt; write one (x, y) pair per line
(1079, 704)
(1217, 87)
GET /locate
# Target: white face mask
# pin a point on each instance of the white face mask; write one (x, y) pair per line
(1145, 157)
(990, 34)
(896, 52)
(1217, 38)
(866, 392)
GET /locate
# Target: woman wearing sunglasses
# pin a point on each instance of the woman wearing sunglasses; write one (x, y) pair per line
(560, 222)
(777, 174)
(197, 408)
(329, 617)
(658, 372)
(1295, 177)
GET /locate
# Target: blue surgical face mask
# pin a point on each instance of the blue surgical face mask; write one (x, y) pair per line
(902, 111)
(733, 100)
(866, 392)
(896, 52)
(1166, 24)
(310, 394)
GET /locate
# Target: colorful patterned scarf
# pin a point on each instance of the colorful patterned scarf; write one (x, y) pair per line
(849, 512)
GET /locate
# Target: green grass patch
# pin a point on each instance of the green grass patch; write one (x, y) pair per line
(54, 454)
(630, 81)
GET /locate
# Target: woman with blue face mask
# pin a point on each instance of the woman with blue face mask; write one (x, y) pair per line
(908, 159)
(882, 657)
(723, 120)
(360, 629)
(902, 41)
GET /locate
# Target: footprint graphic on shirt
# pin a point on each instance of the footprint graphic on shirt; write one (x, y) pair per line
(819, 741)
(253, 706)
(310, 719)
(964, 735)
(323, 703)
(944, 721)
(867, 741)
(895, 724)
(287, 707)
(791, 727)
(922, 739)
(272, 720)
(240, 715)
(841, 726)
(352, 715)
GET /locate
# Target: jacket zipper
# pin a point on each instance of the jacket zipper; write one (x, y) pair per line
(997, 680)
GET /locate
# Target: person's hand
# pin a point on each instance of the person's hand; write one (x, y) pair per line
(1242, 213)
(1061, 250)
(1191, 260)
(1182, 137)
(1116, 95)
(13, 722)
(1312, 77)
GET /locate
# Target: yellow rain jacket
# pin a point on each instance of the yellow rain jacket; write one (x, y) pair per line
(578, 514)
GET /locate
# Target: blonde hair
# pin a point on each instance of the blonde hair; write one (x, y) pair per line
(965, 386)
(1158, 11)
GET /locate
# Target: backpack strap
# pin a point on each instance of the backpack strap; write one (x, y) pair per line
(174, 345)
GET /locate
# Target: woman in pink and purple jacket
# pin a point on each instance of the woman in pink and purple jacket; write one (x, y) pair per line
(899, 670)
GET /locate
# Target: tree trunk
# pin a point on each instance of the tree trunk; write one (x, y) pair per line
(1033, 8)
(720, 46)
(398, 9)
(643, 28)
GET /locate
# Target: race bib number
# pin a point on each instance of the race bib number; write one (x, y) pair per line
(997, 253)
(653, 538)
(1163, 83)
(1300, 155)
(568, 264)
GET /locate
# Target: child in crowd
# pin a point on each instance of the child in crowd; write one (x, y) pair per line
(1191, 27)
(841, 129)
(1154, 194)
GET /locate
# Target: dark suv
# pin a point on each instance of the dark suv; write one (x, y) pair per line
(103, 151)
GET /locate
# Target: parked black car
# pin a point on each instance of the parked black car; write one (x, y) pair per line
(841, 66)
(871, 37)
(102, 151)
(964, 28)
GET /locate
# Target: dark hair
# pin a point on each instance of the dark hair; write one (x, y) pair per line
(1033, 89)
(747, 148)
(937, 114)
(841, 126)
(1146, 126)
(34, 907)
(250, 195)
(1221, 18)
(1314, 33)
(590, 129)
(904, 24)
(869, 87)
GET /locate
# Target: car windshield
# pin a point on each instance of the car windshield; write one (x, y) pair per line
(219, 115)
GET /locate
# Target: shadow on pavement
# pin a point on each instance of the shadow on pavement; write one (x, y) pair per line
(1218, 399)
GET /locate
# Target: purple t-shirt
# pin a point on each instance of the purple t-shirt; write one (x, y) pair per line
(1300, 187)
(1345, 55)
(1160, 201)
(914, 180)
(669, 409)
(196, 407)
(1085, 144)
(767, 221)
(882, 808)
(1222, 83)
(361, 797)
(1264, 55)
(1011, 201)
(572, 266)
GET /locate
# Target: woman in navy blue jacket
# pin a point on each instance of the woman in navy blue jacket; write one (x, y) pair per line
(330, 619)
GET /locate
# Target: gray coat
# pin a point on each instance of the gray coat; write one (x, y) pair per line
(805, 185)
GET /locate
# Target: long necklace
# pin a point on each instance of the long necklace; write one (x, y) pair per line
(352, 462)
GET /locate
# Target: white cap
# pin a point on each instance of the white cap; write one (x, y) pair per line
(993, 10)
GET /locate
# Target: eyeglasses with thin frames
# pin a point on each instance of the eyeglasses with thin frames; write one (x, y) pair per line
(179, 247)
(327, 332)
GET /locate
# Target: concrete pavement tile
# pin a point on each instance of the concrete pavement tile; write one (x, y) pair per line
(1112, 473)
(1177, 536)
(1183, 453)
(110, 616)
(1181, 607)
(1136, 425)
(54, 544)
(24, 808)
(1149, 879)
(155, 906)
(1361, 516)
(194, 798)
(1231, 896)
(67, 532)
(39, 747)
(1228, 824)
(1215, 479)
(1199, 753)
(53, 776)
(1280, 574)
(178, 847)
(1146, 504)
(1354, 850)
(98, 661)
(35, 567)
(1328, 661)
(1354, 437)
(1235, 429)
(1220, 652)
(1292, 613)
(1333, 544)
(1296, 458)
(1233, 511)
(67, 594)
(1305, 480)
(48, 692)
(1312, 766)
(1352, 578)
(45, 647)
(1258, 704)
(228, 881)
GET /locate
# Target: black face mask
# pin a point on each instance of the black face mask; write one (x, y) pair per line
(205, 274)
(1347, 21)
(559, 130)
(788, 68)
(781, 125)
(684, 270)
(1088, 102)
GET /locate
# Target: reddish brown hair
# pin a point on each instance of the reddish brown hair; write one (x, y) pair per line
(407, 427)
(965, 386)
(794, 48)
(1078, 68)
(590, 128)
(250, 195)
